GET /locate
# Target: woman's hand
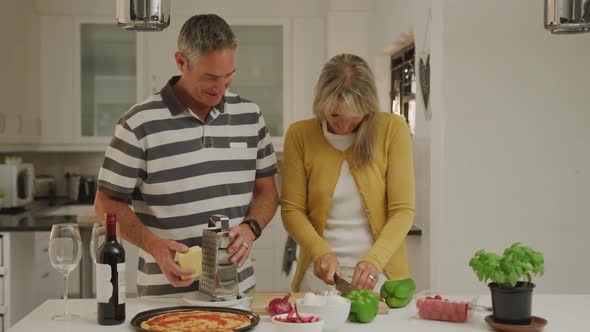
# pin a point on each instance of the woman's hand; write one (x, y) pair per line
(365, 275)
(325, 266)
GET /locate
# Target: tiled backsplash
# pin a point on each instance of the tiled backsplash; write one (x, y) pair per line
(58, 163)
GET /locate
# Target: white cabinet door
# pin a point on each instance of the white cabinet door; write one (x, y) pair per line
(32, 278)
(47, 282)
(87, 80)
(19, 79)
(56, 79)
(267, 258)
(104, 76)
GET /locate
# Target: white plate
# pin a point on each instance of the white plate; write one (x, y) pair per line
(200, 299)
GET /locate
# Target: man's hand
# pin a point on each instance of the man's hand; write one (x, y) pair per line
(365, 275)
(163, 252)
(241, 246)
(325, 266)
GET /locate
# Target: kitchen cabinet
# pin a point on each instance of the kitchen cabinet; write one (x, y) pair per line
(267, 257)
(88, 79)
(56, 80)
(263, 70)
(4, 291)
(19, 114)
(27, 275)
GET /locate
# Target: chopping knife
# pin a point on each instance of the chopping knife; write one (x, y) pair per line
(342, 285)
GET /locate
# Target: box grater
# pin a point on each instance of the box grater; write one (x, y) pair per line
(220, 276)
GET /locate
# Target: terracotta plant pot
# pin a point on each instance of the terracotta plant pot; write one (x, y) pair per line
(512, 305)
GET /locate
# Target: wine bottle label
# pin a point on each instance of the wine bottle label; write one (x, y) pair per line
(104, 288)
(122, 289)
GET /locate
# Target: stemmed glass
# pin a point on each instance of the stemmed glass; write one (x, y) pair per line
(65, 251)
(96, 239)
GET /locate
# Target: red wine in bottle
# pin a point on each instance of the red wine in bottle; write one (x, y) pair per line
(110, 277)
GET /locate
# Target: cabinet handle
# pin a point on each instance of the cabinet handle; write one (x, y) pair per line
(20, 123)
(2, 122)
(45, 249)
(45, 275)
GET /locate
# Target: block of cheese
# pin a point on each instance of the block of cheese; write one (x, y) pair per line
(192, 260)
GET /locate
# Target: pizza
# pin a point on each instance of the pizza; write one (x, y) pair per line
(196, 321)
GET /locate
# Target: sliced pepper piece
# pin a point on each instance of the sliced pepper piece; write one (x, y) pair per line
(364, 305)
(398, 293)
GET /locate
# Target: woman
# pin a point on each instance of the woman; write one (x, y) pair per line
(348, 183)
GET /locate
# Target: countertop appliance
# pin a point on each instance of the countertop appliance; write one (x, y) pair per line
(45, 186)
(567, 16)
(143, 15)
(16, 181)
(81, 188)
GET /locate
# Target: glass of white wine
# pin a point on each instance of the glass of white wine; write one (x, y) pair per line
(65, 251)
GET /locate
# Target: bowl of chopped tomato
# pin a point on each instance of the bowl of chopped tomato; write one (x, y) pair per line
(295, 321)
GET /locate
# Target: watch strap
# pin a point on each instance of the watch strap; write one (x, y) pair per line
(254, 227)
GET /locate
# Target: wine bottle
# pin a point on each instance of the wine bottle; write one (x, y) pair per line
(110, 277)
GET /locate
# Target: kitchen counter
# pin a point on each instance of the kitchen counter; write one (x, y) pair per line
(32, 219)
(563, 313)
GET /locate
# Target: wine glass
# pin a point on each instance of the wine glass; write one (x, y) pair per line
(65, 251)
(96, 239)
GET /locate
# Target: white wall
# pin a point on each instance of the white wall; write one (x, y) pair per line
(392, 20)
(510, 143)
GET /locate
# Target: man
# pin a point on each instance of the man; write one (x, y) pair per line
(186, 153)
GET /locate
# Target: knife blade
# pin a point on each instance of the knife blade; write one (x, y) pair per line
(342, 285)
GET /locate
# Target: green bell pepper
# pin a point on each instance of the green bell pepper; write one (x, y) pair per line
(364, 305)
(398, 293)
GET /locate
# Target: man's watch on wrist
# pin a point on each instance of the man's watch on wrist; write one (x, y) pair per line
(254, 227)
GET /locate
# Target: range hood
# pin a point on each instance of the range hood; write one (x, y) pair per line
(567, 16)
(143, 15)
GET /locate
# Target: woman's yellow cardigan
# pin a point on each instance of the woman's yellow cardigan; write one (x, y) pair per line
(311, 168)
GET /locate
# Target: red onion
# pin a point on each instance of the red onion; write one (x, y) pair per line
(279, 306)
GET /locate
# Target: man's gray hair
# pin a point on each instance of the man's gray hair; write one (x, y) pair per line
(203, 34)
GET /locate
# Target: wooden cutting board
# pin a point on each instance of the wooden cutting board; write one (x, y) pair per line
(261, 300)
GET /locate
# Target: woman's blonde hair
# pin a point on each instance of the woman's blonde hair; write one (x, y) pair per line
(347, 81)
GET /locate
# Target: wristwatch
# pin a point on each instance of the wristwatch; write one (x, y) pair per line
(254, 227)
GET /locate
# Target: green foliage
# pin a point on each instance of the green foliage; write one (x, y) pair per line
(518, 263)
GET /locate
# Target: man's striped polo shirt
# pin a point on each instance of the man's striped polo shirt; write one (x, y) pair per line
(177, 171)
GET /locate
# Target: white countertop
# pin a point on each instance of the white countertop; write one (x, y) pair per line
(563, 313)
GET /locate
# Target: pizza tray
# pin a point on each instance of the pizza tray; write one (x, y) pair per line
(145, 315)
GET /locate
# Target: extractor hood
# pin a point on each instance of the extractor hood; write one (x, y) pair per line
(567, 16)
(143, 15)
